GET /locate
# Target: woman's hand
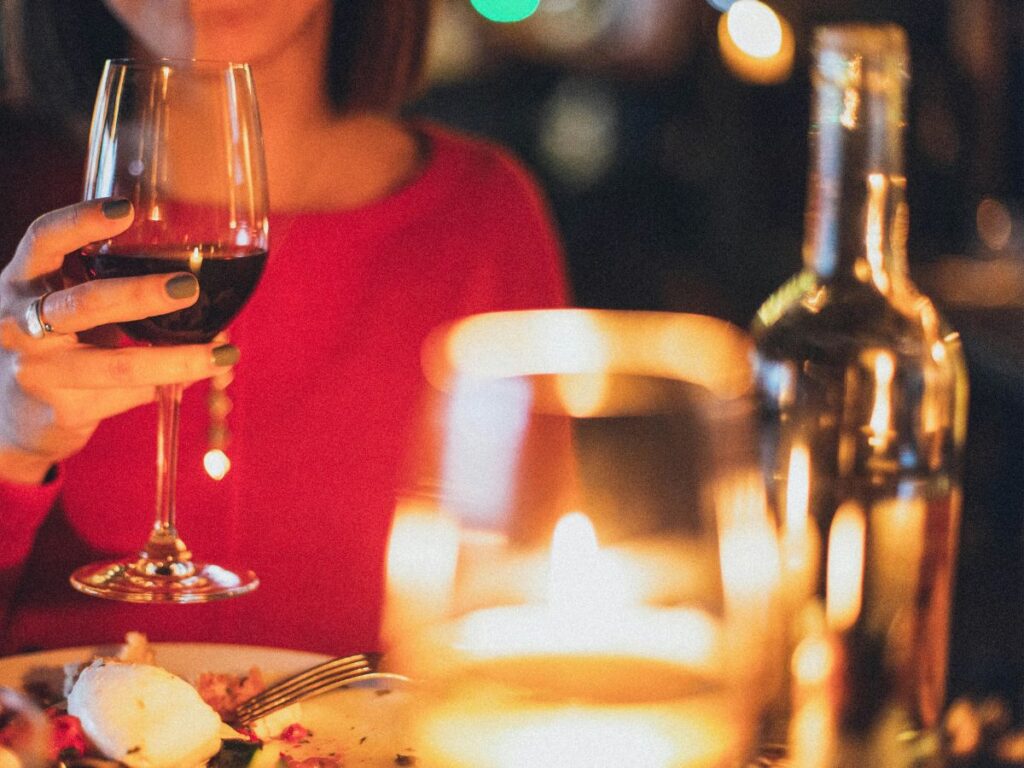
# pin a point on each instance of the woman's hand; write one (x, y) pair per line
(54, 389)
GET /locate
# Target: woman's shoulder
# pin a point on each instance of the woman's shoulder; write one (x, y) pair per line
(460, 153)
(514, 256)
(476, 177)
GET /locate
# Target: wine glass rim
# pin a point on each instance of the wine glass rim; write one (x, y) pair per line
(177, 63)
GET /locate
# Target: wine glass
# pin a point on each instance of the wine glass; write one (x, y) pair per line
(181, 140)
(581, 565)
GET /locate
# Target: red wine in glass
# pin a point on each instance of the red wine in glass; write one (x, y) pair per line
(227, 277)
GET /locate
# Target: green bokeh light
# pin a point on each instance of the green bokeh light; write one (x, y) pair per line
(505, 10)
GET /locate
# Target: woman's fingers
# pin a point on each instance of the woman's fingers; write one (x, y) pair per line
(55, 391)
(117, 300)
(63, 416)
(84, 408)
(83, 367)
(41, 251)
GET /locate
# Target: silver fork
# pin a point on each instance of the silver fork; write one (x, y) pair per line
(322, 678)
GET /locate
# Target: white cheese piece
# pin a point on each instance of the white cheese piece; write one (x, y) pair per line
(144, 717)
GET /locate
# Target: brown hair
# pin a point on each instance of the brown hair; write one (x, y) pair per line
(377, 52)
(57, 48)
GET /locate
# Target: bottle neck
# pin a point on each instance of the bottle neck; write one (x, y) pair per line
(857, 213)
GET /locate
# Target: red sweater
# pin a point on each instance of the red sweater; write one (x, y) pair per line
(324, 396)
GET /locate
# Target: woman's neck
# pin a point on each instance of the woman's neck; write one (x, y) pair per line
(293, 108)
(318, 159)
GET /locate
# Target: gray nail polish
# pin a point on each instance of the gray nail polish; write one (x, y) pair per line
(116, 209)
(182, 286)
(224, 355)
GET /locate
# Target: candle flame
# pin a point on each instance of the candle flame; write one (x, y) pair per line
(799, 535)
(798, 491)
(575, 563)
(879, 427)
(813, 661)
(589, 609)
(844, 586)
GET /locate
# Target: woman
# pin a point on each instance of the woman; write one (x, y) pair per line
(380, 230)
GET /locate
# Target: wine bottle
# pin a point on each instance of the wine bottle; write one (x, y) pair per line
(863, 393)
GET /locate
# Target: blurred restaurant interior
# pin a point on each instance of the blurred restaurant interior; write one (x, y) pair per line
(673, 149)
(675, 164)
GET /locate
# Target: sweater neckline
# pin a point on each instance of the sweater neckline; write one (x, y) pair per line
(423, 183)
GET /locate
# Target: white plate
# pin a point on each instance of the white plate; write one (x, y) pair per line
(361, 723)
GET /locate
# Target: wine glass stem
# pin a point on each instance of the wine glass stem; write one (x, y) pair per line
(164, 544)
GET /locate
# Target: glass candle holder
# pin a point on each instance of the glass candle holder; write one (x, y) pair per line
(582, 571)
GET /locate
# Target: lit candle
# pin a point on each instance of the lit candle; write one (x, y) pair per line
(799, 534)
(815, 668)
(844, 586)
(421, 558)
(584, 679)
(880, 429)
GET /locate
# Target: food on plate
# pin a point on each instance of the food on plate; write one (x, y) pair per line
(225, 692)
(136, 649)
(125, 711)
(143, 716)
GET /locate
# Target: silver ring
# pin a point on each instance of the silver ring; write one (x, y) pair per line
(35, 321)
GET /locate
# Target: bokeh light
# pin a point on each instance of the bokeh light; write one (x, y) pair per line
(755, 28)
(506, 11)
(456, 50)
(995, 224)
(216, 463)
(580, 132)
(756, 43)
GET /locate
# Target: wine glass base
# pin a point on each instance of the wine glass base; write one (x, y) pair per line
(121, 580)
